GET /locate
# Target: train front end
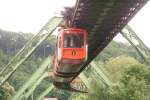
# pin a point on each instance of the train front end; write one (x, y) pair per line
(74, 46)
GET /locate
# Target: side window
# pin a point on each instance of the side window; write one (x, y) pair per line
(59, 42)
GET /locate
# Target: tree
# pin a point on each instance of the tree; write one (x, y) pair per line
(116, 65)
(134, 84)
(6, 92)
(131, 81)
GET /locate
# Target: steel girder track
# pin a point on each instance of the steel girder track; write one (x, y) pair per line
(103, 19)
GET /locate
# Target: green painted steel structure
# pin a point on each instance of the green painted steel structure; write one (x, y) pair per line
(96, 73)
(101, 74)
(39, 72)
(28, 49)
(33, 87)
(49, 89)
(85, 80)
(137, 43)
(96, 46)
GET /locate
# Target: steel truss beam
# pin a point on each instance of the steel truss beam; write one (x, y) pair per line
(129, 36)
(97, 79)
(82, 76)
(79, 85)
(28, 49)
(39, 72)
(137, 43)
(101, 74)
(96, 74)
(49, 89)
(85, 80)
(33, 87)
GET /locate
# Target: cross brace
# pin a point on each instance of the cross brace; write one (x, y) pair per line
(33, 87)
(39, 72)
(137, 43)
(28, 49)
(41, 96)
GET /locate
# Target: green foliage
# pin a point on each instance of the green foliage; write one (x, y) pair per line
(78, 96)
(131, 81)
(115, 66)
(134, 84)
(60, 94)
(8, 48)
(115, 49)
(3, 59)
(6, 92)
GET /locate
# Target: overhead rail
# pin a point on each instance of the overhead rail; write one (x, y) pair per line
(96, 16)
(103, 20)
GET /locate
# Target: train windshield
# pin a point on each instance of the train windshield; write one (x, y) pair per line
(73, 40)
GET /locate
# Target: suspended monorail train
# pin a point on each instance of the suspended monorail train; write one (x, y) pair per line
(70, 54)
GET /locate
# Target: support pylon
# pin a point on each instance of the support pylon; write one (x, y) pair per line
(40, 71)
(28, 49)
(137, 43)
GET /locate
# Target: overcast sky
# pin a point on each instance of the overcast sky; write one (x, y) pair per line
(31, 15)
(141, 25)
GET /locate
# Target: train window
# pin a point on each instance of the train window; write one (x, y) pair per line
(73, 40)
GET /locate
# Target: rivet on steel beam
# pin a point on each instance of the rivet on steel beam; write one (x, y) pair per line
(132, 9)
(129, 14)
(81, 4)
(138, 4)
(124, 18)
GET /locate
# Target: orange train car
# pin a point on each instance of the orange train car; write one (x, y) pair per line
(71, 53)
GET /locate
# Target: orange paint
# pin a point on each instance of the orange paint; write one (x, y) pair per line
(70, 53)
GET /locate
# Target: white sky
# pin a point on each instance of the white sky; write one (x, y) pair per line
(141, 25)
(30, 15)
